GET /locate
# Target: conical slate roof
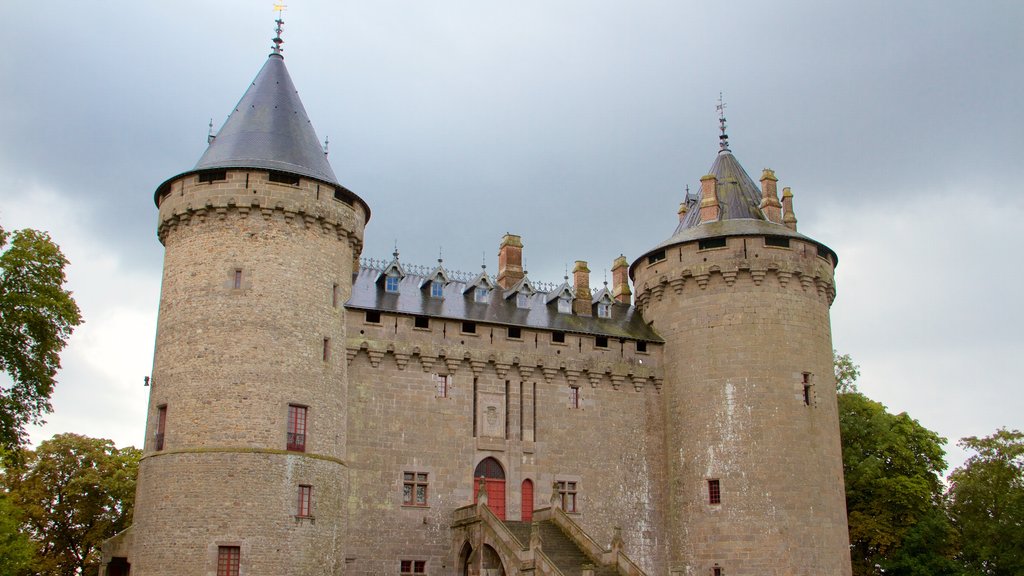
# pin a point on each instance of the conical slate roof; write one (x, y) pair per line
(738, 196)
(269, 129)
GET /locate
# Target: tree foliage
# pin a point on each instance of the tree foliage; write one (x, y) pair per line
(894, 493)
(16, 550)
(37, 315)
(987, 503)
(74, 492)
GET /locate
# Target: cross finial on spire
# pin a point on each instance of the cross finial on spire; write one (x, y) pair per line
(723, 138)
(279, 8)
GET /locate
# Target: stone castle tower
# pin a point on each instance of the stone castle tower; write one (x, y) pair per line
(314, 413)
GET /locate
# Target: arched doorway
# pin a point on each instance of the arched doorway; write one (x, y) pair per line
(494, 478)
(491, 564)
(465, 560)
(527, 500)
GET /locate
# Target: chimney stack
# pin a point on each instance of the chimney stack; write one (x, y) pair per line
(710, 211)
(510, 261)
(620, 280)
(788, 216)
(581, 286)
(770, 197)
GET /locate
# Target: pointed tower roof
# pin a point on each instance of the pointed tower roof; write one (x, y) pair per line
(738, 196)
(269, 129)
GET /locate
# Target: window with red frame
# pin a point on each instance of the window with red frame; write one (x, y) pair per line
(414, 567)
(296, 441)
(161, 425)
(714, 492)
(305, 509)
(414, 488)
(228, 558)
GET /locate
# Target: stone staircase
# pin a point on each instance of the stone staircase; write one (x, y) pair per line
(563, 552)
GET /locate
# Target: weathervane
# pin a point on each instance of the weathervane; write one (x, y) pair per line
(279, 8)
(723, 138)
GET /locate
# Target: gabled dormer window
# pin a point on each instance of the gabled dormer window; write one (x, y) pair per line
(481, 294)
(564, 306)
(436, 281)
(436, 289)
(391, 284)
(392, 275)
(563, 297)
(604, 310)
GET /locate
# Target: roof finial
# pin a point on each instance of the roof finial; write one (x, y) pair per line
(395, 253)
(209, 135)
(483, 260)
(277, 49)
(327, 142)
(723, 138)
(440, 256)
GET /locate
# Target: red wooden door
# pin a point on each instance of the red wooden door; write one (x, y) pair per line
(527, 500)
(494, 481)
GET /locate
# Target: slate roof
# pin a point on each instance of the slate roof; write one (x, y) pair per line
(367, 294)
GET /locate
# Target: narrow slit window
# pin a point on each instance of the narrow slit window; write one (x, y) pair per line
(237, 281)
(808, 392)
(161, 425)
(327, 349)
(334, 296)
(714, 492)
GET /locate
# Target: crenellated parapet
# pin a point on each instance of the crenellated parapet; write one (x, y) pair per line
(453, 358)
(785, 263)
(195, 199)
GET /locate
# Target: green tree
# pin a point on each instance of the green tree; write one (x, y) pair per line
(16, 550)
(74, 492)
(987, 503)
(37, 315)
(894, 494)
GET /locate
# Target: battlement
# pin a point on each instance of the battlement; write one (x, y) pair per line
(243, 193)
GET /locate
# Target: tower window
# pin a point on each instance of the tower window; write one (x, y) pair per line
(717, 571)
(421, 322)
(305, 508)
(709, 243)
(334, 296)
(237, 279)
(414, 567)
(776, 241)
(574, 396)
(284, 178)
(228, 559)
(656, 257)
(161, 424)
(822, 252)
(441, 385)
(414, 488)
(567, 493)
(714, 492)
(808, 392)
(213, 176)
(558, 337)
(515, 332)
(327, 349)
(296, 440)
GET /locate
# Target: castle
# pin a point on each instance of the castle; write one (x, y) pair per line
(312, 413)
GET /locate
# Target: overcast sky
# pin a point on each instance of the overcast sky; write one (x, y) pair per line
(576, 124)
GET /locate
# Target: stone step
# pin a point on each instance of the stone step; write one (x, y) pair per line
(562, 551)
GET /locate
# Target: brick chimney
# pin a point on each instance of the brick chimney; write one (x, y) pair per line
(788, 216)
(510, 261)
(710, 211)
(770, 197)
(581, 286)
(620, 280)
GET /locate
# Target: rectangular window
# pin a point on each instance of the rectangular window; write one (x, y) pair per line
(421, 322)
(238, 279)
(161, 425)
(469, 327)
(441, 385)
(480, 294)
(601, 341)
(567, 492)
(284, 178)
(776, 241)
(717, 571)
(296, 441)
(228, 558)
(564, 306)
(709, 243)
(391, 284)
(327, 349)
(641, 347)
(522, 300)
(305, 508)
(604, 310)
(515, 332)
(213, 176)
(372, 317)
(414, 567)
(823, 252)
(414, 488)
(558, 337)
(714, 492)
(574, 396)
(656, 257)
(436, 289)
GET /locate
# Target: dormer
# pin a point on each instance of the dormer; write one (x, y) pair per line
(602, 302)
(436, 281)
(392, 275)
(521, 291)
(480, 287)
(562, 296)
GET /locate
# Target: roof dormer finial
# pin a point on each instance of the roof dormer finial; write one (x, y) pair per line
(277, 49)
(723, 138)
